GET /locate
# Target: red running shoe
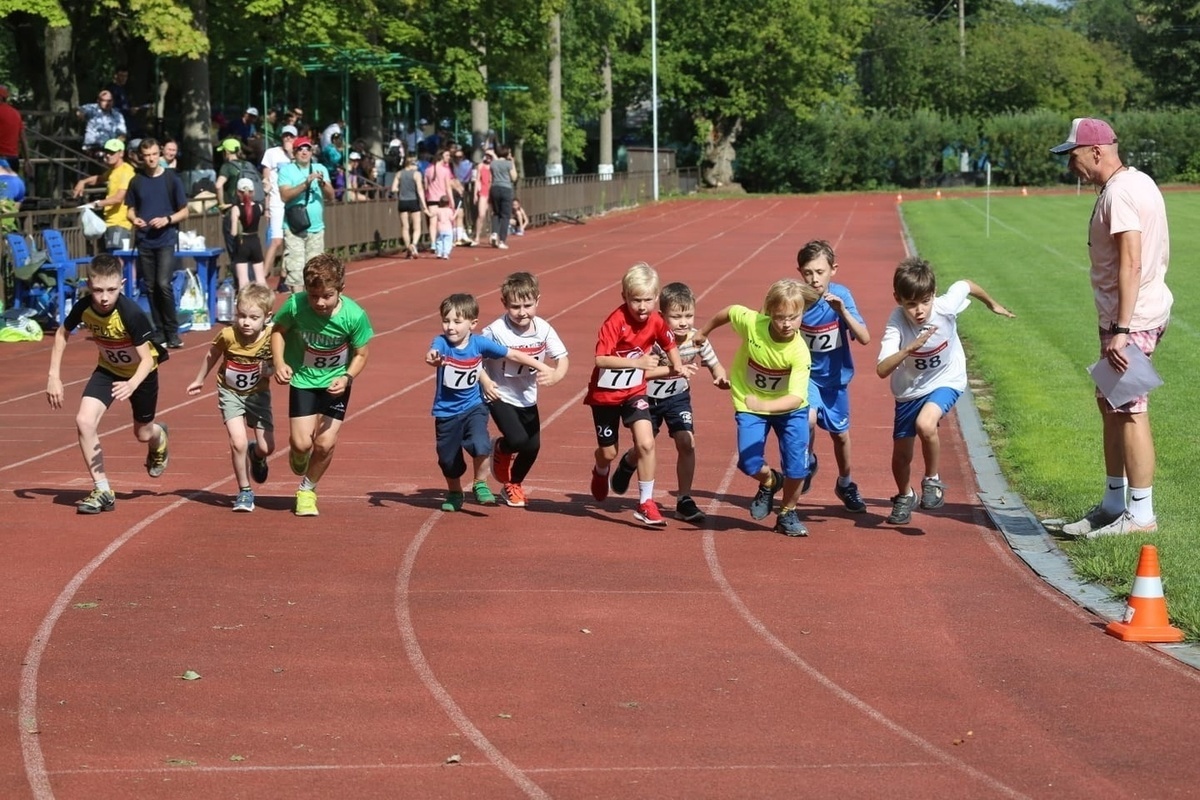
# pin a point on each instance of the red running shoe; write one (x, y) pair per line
(648, 513)
(599, 485)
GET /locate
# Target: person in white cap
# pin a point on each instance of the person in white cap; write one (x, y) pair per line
(245, 127)
(1128, 245)
(272, 161)
(242, 223)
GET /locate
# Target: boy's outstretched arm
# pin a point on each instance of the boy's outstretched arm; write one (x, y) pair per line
(283, 373)
(529, 361)
(560, 372)
(977, 291)
(886, 366)
(54, 387)
(717, 320)
(213, 356)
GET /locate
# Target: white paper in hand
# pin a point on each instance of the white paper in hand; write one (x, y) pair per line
(1119, 388)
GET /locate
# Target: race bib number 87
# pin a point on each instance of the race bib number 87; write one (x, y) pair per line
(764, 380)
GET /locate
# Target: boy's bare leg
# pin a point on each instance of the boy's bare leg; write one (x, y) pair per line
(481, 468)
(238, 447)
(605, 456)
(791, 492)
(902, 454)
(927, 430)
(643, 442)
(685, 464)
(87, 423)
(841, 451)
(323, 445)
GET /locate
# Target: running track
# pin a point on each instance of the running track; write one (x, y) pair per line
(387, 650)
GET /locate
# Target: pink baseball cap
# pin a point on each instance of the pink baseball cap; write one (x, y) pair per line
(1085, 132)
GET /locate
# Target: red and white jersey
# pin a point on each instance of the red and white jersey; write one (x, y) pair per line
(625, 337)
(517, 383)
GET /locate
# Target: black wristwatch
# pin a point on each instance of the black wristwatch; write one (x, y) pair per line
(1114, 329)
(350, 378)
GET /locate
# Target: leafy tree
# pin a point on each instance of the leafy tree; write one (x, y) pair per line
(1170, 51)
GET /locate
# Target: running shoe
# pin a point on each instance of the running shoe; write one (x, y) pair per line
(513, 495)
(96, 502)
(902, 506)
(306, 503)
(850, 497)
(621, 475)
(788, 523)
(1122, 525)
(599, 486)
(933, 493)
(245, 501)
(649, 514)
(501, 463)
(764, 498)
(687, 510)
(258, 465)
(453, 502)
(1093, 520)
(157, 458)
(483, 494)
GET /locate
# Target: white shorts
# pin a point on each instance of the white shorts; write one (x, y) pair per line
(275, 221)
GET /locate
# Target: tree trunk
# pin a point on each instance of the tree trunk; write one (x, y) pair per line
(479, 109)
(554, 166)
(716, 168)
(518, 156)
(195, 146)
(61, 89)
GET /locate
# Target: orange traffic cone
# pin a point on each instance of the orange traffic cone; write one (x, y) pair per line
(1145, 618)
(938, 195)
(899, 198)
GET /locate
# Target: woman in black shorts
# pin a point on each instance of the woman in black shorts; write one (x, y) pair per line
(410, 187)
(245, 247)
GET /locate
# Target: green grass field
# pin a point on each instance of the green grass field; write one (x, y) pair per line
(1038, 401)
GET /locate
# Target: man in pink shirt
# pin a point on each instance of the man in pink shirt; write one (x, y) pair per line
(1129, 249)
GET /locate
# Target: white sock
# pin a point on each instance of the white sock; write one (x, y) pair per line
(844, 481)
(1114, 494)
(103, 485)
(645, 491)
(308, 485)
(1141, 504)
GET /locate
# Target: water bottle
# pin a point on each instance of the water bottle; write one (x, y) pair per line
(226, 298)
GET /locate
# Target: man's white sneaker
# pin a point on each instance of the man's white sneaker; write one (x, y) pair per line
(1122, 525)
(1093, 520)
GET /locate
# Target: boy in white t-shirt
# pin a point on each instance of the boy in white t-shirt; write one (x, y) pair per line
(512, 389)
(923, 355)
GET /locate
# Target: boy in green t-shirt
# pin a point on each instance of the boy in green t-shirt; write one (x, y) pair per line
(319, 345)
(769, 387)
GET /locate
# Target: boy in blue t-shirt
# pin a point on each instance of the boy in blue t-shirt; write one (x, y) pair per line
(828, 327)
(460, 416)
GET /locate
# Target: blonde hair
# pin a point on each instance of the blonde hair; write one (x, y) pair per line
(789, 294)
(640, 278)
(257, 296)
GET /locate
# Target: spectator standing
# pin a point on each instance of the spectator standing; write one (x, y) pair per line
(307, 184)
(116, 177)
(270, 128)
(157, 204)
(1128, 245)
(408, 186)
(483, 188)
(12, 134)
(245, 126)
(504, 181)
(102, 122)
(272, 161)
(170, 153)
(228, 175)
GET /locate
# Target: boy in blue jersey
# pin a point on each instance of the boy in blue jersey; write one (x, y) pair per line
(828, 327)
(460, 416)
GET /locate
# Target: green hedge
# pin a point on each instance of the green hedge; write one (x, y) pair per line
(837, 150)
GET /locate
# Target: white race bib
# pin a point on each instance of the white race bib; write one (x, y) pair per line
(327, 359)
(514, 370)
(762, 380)
(242, 377)
(457, 377)
(662, 388)
(119, 355)
(626, 378)
(824, 341)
